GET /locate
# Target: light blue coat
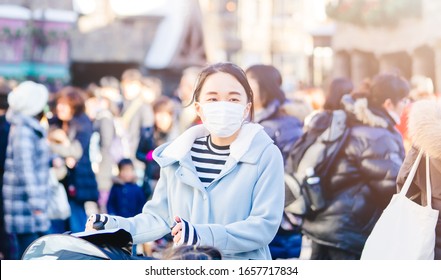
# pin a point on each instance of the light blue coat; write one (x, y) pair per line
(238, 213)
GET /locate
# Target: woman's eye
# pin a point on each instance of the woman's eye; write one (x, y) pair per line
(212, 99)
(234, 100)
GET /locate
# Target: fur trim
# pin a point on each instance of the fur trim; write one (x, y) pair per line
(182, 145)
(425, 126)
(297, 108)
(362, 113)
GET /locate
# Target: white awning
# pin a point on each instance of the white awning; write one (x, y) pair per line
(14, 12)
(55, 15)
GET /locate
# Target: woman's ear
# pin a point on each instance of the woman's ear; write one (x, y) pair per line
(246, 114)
(198, 109)
(388, 104)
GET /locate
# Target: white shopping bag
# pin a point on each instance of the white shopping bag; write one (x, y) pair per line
(405, 230)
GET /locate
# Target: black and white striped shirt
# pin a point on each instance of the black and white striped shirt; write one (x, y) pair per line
(208, 159)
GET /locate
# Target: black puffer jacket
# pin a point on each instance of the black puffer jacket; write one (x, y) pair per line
(284, 129)
(362, 181)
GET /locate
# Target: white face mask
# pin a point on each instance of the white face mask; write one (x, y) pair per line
(223, 118)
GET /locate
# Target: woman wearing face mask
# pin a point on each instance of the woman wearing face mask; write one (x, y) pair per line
(221, 182)
(362, 179)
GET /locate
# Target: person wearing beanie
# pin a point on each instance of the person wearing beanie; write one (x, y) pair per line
(26, 174)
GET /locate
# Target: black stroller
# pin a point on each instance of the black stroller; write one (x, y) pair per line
(113, 244)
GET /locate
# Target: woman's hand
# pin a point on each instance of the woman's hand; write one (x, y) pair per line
(184, 233)
(100, 222)
(71, 162)
(58, 136)
(89, 223)
(177, 230)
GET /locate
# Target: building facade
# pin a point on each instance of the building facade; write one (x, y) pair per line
(409, 45)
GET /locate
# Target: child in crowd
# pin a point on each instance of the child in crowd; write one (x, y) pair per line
(126, 198)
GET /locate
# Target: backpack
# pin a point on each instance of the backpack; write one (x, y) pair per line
(310, 160)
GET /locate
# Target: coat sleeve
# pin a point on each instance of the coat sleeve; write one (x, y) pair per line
(378, 160)
(23, 148)
(260, 227)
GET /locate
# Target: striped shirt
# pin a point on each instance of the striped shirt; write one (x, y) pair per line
(208, 159)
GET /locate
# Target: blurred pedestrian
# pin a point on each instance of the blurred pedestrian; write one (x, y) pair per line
(70, 135)
(337, 89)
(126, 198)
(269, 100)
(284, 129)
(26, 171)
(425, 132)
(362, 179)
(136, 115)
(108, 137)
(166, 129)
(421, 89)
(187, 114)
(4, 133)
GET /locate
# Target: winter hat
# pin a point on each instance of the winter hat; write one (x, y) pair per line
(28, 98)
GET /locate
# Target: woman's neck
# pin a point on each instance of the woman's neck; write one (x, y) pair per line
(224, 141)
(65, 126)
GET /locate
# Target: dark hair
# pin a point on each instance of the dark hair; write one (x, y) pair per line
(124, 162)
(269, 81)
(5, 89)
(192, 252)
(110, 82)
(337, 88)
(228, 68)
(75, 97)
(386, 86)
(382, 87)
(164, 103)
(131, 75)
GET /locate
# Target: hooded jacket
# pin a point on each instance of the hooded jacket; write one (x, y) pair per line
(238, 213)
(425, 132)
(361, 181)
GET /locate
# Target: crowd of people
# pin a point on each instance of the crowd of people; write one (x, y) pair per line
(204, 169)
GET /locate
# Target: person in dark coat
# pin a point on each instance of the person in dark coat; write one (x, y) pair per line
(126, 198)
(70, 135)
(362, 179)
(4, 132)
(26, 171)
(284, 129)
(269, 100)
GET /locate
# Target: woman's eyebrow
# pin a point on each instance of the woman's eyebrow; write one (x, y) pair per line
(229, 93)
(234, 93)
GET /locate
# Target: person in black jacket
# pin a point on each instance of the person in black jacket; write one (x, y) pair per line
(362, 179)
(269, 100)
